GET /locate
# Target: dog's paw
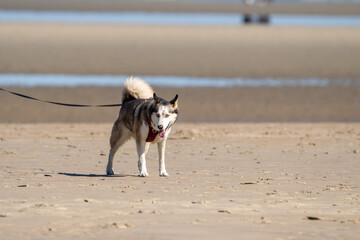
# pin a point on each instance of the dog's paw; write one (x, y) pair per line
(144, 174)
(163, 174)
(109, 172)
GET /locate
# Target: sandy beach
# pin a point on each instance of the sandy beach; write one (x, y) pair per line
(268, 181)
(244, 162)
(254, 52)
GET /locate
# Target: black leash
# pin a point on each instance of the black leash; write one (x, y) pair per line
(59, 103)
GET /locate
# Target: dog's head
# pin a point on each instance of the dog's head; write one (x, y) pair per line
(164, 114)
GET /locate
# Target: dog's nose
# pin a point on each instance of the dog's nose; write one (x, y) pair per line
(160, 127)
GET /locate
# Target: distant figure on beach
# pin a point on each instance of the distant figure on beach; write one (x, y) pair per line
(253, 18)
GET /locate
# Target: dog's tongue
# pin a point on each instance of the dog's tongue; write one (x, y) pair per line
(162, 133)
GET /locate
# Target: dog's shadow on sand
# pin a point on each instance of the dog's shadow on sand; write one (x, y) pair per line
(95, 175)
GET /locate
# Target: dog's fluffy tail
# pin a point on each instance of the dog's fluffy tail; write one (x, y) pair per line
(136, 88)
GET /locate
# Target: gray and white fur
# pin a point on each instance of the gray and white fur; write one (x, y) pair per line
(141, 105)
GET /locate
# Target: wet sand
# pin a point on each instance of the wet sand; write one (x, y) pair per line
(257, 181)
(254, 52)
(250, 104)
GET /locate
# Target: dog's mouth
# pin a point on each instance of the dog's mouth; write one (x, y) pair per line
(162, 133)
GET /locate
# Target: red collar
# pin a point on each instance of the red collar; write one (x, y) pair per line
(152, 132)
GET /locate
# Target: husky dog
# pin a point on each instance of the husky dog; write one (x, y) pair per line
(145, 117)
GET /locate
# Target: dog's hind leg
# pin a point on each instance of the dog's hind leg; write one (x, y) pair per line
(118, 138)
(113, 150)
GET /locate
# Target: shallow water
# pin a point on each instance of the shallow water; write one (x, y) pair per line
(206, 19)
(57, 80)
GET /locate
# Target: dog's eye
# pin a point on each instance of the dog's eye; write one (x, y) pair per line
(157, 115)
(167, 115)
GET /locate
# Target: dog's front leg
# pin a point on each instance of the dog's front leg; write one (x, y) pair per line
(161, 150)
(141, 150)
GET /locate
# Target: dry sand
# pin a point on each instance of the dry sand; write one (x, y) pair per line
(255, 52)
(227, 181)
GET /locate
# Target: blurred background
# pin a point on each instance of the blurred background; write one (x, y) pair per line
(229, 61)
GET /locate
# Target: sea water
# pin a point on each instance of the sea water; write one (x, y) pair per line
(58, 80)
(157, 18)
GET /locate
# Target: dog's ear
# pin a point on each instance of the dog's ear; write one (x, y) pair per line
(174, 101)
(156, 98)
